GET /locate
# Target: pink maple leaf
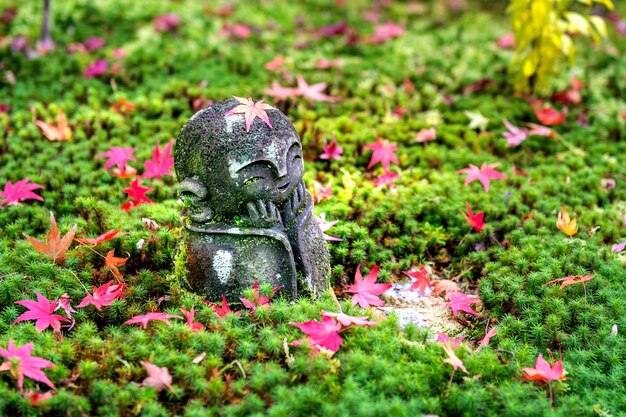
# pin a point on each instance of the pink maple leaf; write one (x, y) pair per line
(281, 92)
(96, 69)
(22, 364)
(474, 220)
(100, 239)
(386, 31)
(223, 310)
(64, 303)
(325, 225)
(117, 156)
(388, 178)
(36, 397)
(347, 320)
(104, 295)
(20, 191)
(42, 311)
(445, 340)
(324, 334)
(275, 64)
(618, 247)
(251, 111)
(167, 23)
(313, 92)
(144, 319)
(462, 302)
(540, 130)
(507, 41)
(161, 163)
(258, 299)
(484, 174)
(383, 152)
(421, 280)
(190, 317)
(487, 338)
(452, 359)
(158, 377)
(366, 290)
(514, 135)
(332, 150)
(137, 194)
(426, 135)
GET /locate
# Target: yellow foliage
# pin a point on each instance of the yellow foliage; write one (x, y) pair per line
(543, 43)
(564, 223)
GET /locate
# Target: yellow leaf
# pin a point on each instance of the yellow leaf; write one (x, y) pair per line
(599, 24)
(530, 65)
(577, 23)
(564, 223)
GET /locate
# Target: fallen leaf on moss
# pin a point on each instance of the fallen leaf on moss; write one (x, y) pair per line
(100, 239)
(324, 334)
(158, 377)
(565, 224)
(144, 319)
(42, 312)
(20, 191)
(54, 246)
(22, 364)
(366, 290)
(60, 132)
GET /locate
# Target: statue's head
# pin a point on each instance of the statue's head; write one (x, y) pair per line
(221, 167)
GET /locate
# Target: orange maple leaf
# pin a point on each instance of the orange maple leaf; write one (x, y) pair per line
(564, 223)
(59, 132)
(571, 280)
(444, 285)
(112, 262)
(54, 246)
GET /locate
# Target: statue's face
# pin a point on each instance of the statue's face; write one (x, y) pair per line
(270, 174)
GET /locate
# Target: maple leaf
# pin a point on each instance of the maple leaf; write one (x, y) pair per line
(281, 92)
(324, 334)
(54, 246)
(42, 311)
(474, 220)
(100, 239)
(388, 178)
(564, 223)
(223, 310)
(514, 135)
(190, 317)
(547, 115)
(98, 68)
(444, 339)
(332, 150)
(129, 172)
(112, 262)
(123, 106)
(22, 364)
(144, 319)
(137, 194)
(35, 397)
(158, 377)
(618, 247)
(477, 121)
(571, 280)
(487, 338)
(251, 111)
(275, 64)
(104, 295)
(385, 32)
(161, 163)
(426, 135)
(117, 156)
(64, 303)
(321, 192)
(453, 360)
(539, 130)
(383, 152)
(544, 372)
(462, 302)
(347, 320)
(421, 280)
(167, 23)
(313, 92)
(507, 41)
(60, 132)
(20, 191)
(324, 226)
(484, 174)
(444, 285)
(366, 291)
(257, 299)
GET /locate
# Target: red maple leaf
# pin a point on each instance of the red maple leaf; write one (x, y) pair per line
(223, 310)
(36, 397)
(110, 261)
(20, 191)
(366, 291)
(332, 150)
(474, 220)
(190, 317)
(137, 194)
(158, 377)
(54, 246)
(484, 174)
(347, 320)
(251, 111)
(104, 295)
(462, 302)
(42, 311)
(22, 364)
(60, 132)
(544, 372)
(281, 92)
(324, 334)
(144, 319)
(117, 156)
(161, 163)
(257, 299)
(313, 92)
(421, 280)
(100, 239)
(383, 152)
(547, 115)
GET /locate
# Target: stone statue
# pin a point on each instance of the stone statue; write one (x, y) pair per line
(247, 211)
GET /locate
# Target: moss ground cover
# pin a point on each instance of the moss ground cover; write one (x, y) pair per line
(442, 68)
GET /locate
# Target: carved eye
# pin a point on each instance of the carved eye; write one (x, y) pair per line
(252, 180)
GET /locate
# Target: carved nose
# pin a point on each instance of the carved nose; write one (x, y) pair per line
(281, 169)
